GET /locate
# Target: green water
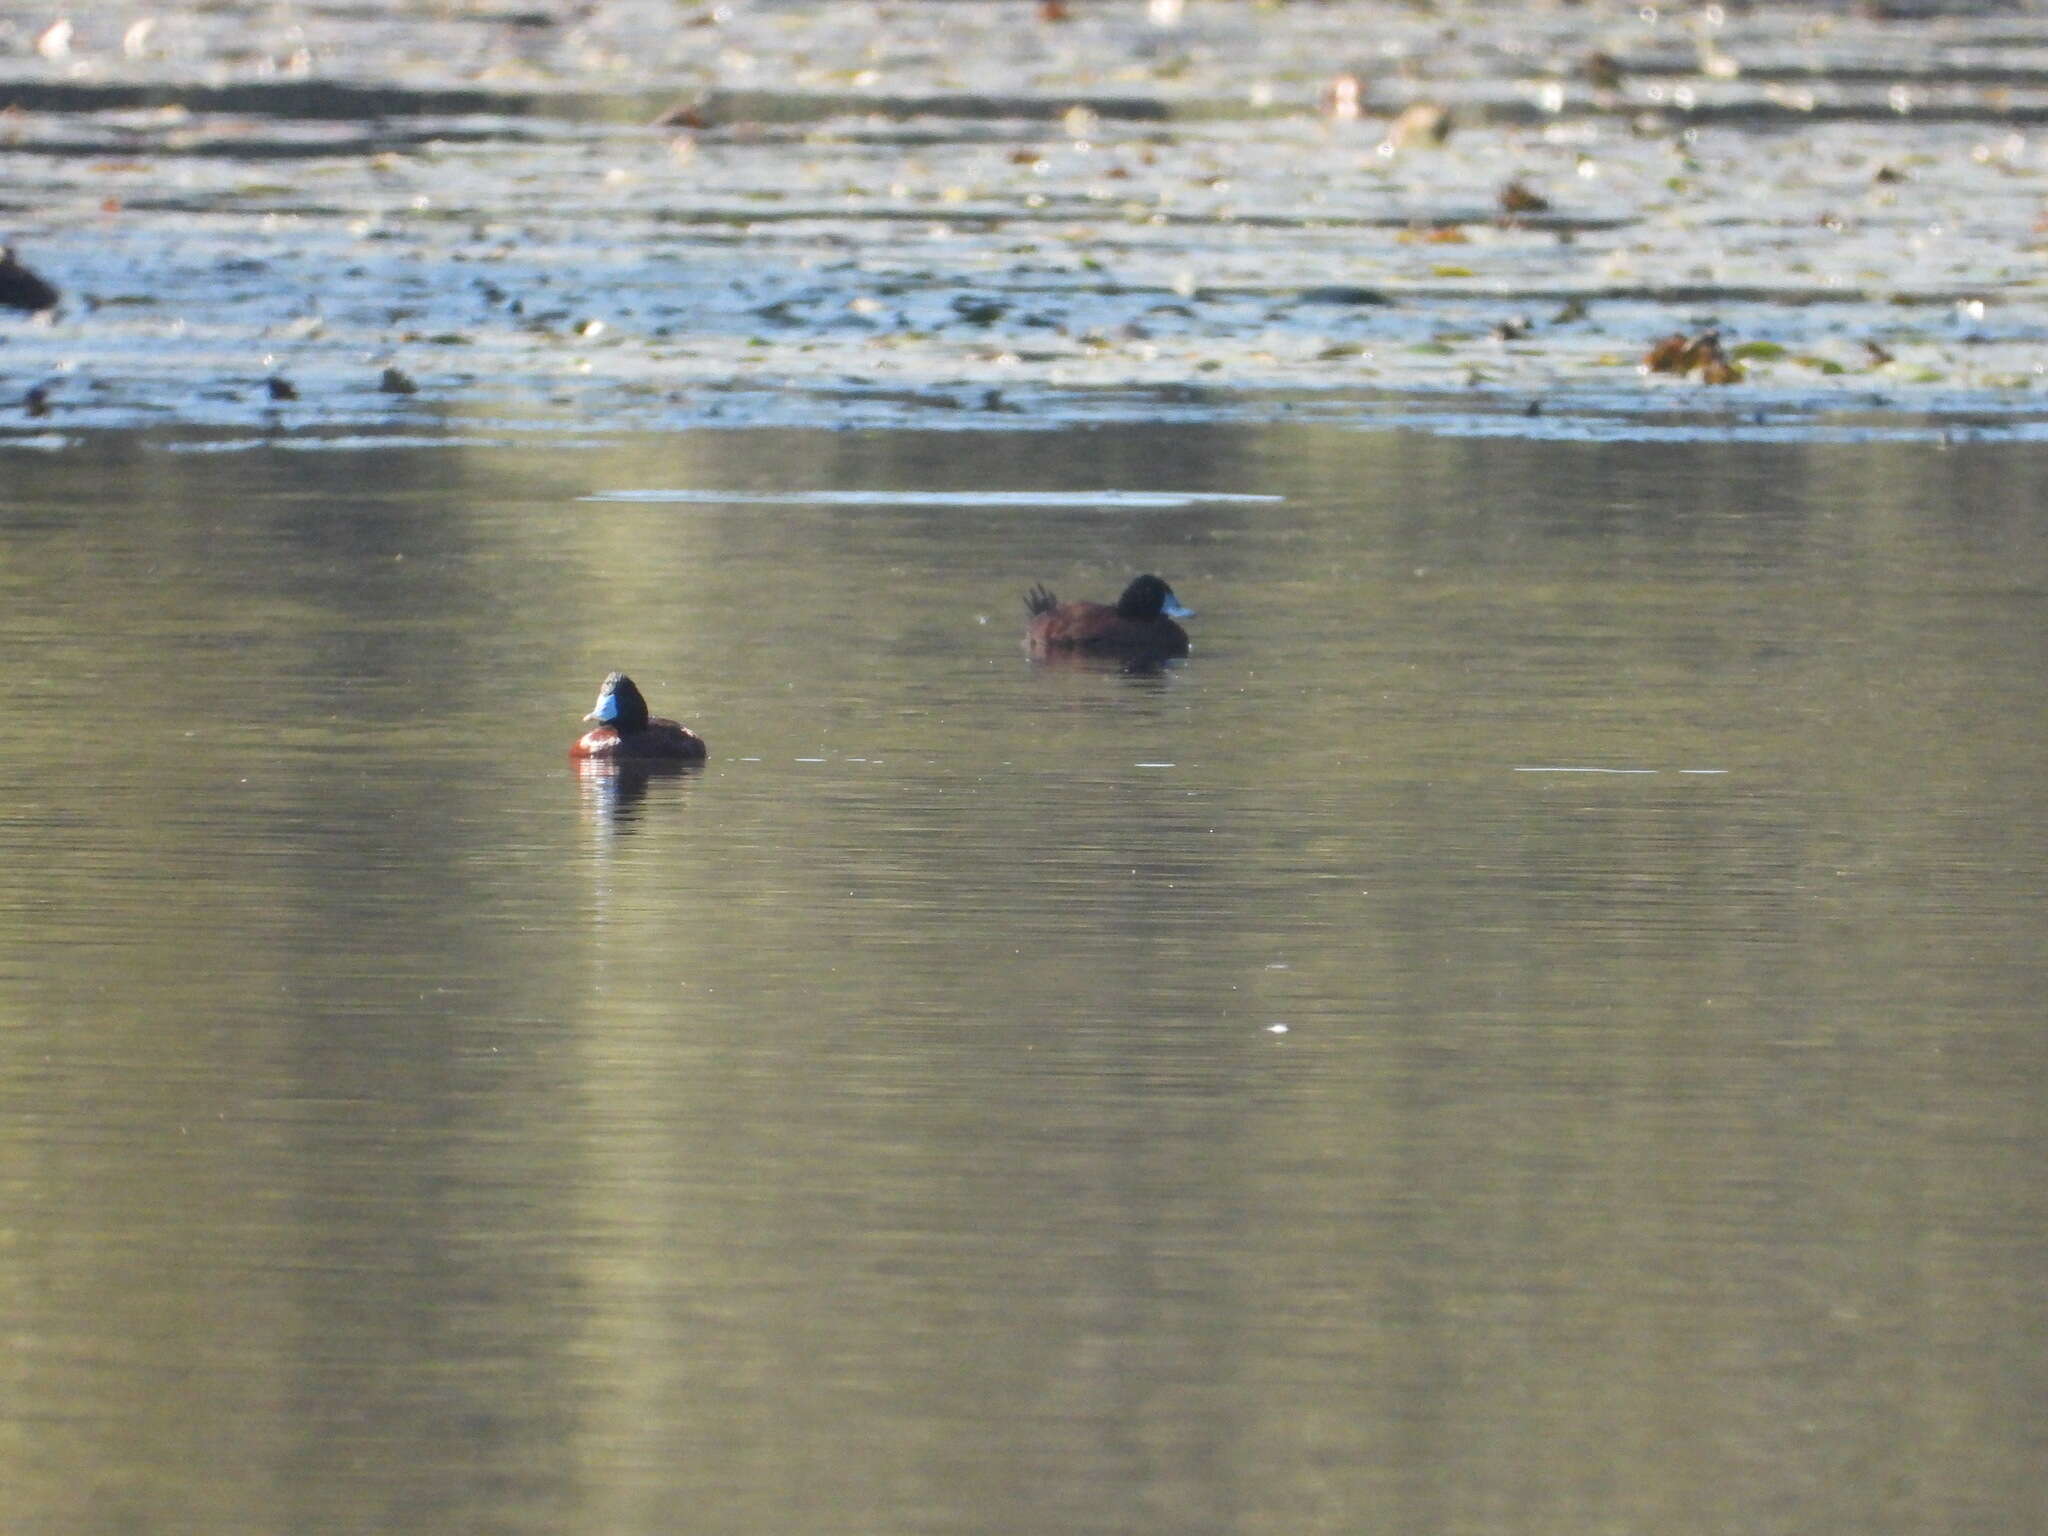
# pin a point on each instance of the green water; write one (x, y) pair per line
(892, 1126)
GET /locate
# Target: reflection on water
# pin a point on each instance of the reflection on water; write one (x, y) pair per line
(615, 794)
(884, 1127)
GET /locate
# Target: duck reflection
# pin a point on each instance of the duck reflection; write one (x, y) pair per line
(616, 794)
(1151, 671)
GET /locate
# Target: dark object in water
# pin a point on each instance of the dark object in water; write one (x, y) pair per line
(396, 381)
(281, 388)
(21, 288)
(1341, 293)
(626, 733)
(36, 401)
(1516, 199)
(1138, 628)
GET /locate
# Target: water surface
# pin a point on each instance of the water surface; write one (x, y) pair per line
(991, 1098)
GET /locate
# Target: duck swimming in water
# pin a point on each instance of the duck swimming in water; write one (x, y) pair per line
(625, 733)
(1138, 628)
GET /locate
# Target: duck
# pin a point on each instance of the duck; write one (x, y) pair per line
(1139, 627)
(625, 733)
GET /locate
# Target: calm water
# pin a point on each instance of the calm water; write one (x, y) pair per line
(888, 1128)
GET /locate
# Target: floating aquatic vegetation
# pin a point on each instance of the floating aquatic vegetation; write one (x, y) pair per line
(946, 200)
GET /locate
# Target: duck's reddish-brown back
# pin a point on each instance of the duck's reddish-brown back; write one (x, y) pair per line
(659, 741)
(1136, 627)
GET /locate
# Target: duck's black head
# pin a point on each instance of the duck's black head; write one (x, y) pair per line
(619, 706)
(1148, 597)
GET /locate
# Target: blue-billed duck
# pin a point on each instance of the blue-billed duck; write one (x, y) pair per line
(626, 734)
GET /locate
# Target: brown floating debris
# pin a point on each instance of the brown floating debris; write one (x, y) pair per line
(22, 289)
(1516, 199)
(1602, 70)
(684, 114)
(396, 381)
(1878, 355)
(1668, 355)
(1053, 10)
(1715, 368)
(1680, 354)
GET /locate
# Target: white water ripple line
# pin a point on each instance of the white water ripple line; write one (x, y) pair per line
(1566, 768)
(1141, 500)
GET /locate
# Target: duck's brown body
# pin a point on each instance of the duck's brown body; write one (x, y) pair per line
(660, 741)
(1137, 627)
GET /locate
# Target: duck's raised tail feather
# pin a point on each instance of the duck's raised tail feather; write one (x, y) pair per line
(1039, 600)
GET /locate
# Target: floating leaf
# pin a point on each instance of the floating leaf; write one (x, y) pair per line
(1758, 351)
